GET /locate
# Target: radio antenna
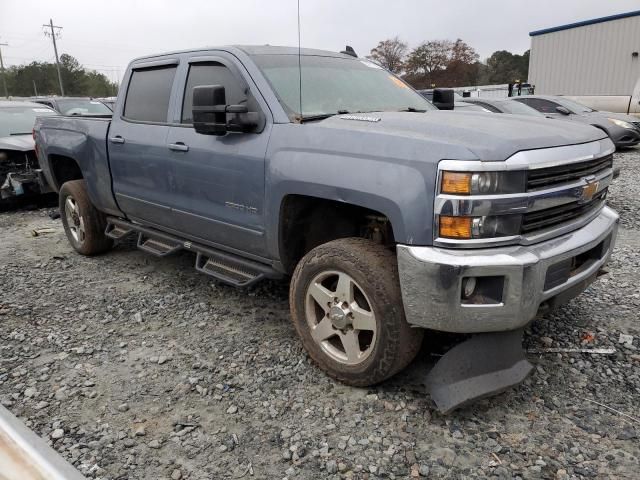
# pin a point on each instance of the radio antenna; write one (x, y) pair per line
(299, 62)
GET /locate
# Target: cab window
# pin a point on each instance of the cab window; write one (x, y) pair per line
(149, 93)
(214, 73)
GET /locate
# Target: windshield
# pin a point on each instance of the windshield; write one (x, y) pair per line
(333, 85)
(80, 106)
(20, 120)
(518, 108)
(575, 107)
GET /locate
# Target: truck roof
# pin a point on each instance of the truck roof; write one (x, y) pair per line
(254, 50)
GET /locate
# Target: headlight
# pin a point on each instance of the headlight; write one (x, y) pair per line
(467, 228)
(482, 183)
(621, 123)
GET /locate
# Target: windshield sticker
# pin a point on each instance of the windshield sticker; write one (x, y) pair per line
(42, 110)
(93, 102)
(371, 64)
(398, 82)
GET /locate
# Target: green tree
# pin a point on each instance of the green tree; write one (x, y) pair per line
(506, 67)
(77, 80)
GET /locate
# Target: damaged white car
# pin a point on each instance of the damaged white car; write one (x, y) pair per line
(20, 174)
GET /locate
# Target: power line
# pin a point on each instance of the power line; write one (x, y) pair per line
(4, 81)
(53, 35)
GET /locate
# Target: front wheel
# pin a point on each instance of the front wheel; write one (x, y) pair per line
(83, 223)
(347, 308)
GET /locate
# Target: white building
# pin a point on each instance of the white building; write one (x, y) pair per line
(596, 61)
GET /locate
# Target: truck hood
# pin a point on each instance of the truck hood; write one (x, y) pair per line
(488, 136)
(21, 143)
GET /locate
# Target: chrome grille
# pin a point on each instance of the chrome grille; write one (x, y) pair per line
(551, 217)
(548, 177)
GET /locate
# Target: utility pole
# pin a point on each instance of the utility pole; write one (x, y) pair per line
(53, 35)
(4, 81)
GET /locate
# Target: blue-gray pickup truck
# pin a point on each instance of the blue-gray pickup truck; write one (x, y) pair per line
(391, 218)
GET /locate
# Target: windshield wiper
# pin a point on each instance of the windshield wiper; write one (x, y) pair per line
(412, 109)
(322, 116)
(20, 133)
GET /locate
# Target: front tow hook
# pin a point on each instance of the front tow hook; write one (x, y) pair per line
(483, 365)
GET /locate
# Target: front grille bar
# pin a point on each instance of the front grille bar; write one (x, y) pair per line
(554, 216)
(547, 177)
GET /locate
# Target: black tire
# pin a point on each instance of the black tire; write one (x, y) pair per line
(374, 270)
(92, 240)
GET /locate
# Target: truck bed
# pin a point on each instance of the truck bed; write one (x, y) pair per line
(83, 139)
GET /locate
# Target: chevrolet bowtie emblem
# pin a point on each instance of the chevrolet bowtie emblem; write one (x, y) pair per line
(588, 191)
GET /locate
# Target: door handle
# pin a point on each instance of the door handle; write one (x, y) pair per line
(178, 147)
(116, 139)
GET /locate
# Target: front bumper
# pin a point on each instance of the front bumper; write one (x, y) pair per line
(625, 137)
(528, 276)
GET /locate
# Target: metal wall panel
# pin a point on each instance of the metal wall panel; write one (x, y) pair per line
(589, 60)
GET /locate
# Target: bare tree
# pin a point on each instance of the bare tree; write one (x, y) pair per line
(390, 54)
(428, 58)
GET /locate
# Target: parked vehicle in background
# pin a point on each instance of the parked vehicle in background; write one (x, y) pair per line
(20, 174)
(108, 101)
(447, 99)
(624, 130)
(390, 217)
(82, 106)
(504, 106)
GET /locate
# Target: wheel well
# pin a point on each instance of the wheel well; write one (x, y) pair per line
(306, 222)
(64, 169)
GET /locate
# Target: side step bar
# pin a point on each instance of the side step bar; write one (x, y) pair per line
(157, 247)
(223, 266)
(117, 232)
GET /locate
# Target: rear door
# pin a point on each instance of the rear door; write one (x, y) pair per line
(137, 144)
(218, 189)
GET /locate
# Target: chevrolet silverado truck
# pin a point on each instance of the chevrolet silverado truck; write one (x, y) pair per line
(391, 218)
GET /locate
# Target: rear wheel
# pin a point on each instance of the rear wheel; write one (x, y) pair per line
(83, 223)
(347, 309)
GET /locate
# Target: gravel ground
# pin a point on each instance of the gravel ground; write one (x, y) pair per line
(138, 367)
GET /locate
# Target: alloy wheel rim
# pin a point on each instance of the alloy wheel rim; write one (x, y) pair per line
(340, 317)
(75, 222)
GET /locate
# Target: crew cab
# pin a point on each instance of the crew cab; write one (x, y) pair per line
(391, 218)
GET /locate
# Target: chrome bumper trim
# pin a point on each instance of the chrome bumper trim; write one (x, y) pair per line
(431, 278)
(25, 456)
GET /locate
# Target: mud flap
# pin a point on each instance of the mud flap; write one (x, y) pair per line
(484, 365)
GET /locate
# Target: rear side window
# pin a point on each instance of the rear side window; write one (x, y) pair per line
(148, 94)
(212, 73)
(489, 107)
(544, 106)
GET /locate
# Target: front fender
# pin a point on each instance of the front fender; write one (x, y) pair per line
(401, 191)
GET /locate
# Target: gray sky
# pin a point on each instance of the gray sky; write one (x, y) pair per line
(105, 35)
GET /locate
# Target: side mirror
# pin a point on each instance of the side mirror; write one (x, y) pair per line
(563, 110)
(210, 110)
(443, 98)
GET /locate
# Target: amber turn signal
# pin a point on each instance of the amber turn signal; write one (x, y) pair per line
(456, 182)
(455, 227)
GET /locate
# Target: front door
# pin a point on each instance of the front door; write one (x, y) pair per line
(218, 186)
(137, 144)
